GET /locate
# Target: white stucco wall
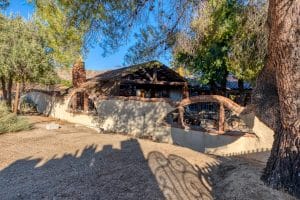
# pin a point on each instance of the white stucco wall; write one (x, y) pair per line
(144, 119)
(227, 145)
(133, 117)
(42, 101)
(137, 118)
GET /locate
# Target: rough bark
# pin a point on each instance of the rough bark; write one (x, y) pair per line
(17, 97)
(283, 167)
(9, 92)
(224, 83)
(213, 87)
(265, 96)
(3, 86)
(241, 99)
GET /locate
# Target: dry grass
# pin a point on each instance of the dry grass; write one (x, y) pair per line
(10, 122)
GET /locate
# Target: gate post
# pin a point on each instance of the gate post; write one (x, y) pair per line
(221, 118)
(181, 116)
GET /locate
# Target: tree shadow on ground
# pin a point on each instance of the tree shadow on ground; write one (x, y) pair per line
(107, 174)
(178, 179)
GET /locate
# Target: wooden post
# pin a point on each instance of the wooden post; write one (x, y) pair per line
(181, 117)
(85, 102)
(185, 91)
(74, 102)
(154, 75)
(17, 98)
(221, 118)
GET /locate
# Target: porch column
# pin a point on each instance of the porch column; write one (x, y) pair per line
(185, 91)
(85, 102)
(181, 117)
(74, 101)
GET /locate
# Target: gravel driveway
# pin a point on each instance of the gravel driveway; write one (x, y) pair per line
(75, 162)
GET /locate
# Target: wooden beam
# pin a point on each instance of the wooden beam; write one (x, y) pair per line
(154, 78)
(85, 102)
(228, 103)
(185, 91)
(148, 75)
(221, 118)
(154, 83)
(74, 101)
(181, 117)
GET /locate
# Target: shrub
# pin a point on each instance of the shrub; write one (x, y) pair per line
(28, 106)
(66, 83)
(10, 122)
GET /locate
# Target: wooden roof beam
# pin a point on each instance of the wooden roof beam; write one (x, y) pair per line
(154, 83)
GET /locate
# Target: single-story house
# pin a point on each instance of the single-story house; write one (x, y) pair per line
(141, 100)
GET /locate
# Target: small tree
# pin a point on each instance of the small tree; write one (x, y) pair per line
(23, 56)
(210, 41)
(249, 45)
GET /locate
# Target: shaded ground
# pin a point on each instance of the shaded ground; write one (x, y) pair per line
(75, 162)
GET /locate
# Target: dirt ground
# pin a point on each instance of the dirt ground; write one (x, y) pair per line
(75, 162)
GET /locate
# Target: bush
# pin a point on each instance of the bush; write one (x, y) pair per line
(66, 83)
(10, 122)
(28, 106)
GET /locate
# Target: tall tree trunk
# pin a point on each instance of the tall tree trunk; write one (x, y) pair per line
(23, 85)
(9, 91)
(17, 95)
(241, 99)
(224, 83)
(213, 87)
(241, 85)
(283, 166)
(4, 91)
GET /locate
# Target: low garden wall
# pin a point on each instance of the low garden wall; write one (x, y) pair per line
(144, 118)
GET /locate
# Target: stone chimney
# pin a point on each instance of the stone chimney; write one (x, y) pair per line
(78, 73)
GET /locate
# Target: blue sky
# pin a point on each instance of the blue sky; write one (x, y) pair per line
(94, 60)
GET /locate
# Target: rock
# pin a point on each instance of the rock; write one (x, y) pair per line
(52, 126)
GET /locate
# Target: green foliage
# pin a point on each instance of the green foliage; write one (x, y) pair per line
(111, 23)
(10, 122)
(249, 45)
(23, 54)
(227, 36)
(64, 38)
(4, 4)
(220, 37)
(209, 59)
(66, 83)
